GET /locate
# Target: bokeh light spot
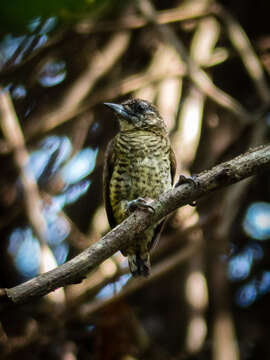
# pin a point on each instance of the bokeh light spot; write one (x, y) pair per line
(25, 249)
(52, 73)
(80, 166)
(246, 295)
(257, 221)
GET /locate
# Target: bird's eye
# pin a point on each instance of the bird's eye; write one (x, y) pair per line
(140, 107)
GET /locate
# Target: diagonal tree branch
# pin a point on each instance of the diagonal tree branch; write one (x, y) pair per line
(73, 271)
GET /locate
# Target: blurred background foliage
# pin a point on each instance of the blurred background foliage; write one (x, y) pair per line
(18, 16)
(206, 65)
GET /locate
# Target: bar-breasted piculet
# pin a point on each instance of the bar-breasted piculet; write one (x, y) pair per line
(139, 166)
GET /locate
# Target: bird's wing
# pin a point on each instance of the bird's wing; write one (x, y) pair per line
(107, 174)
(173, 164)
(160, 226)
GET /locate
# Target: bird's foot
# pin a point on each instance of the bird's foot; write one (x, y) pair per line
(188, 180)
(140, 203)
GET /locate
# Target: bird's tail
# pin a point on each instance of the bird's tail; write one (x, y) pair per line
(139, 264)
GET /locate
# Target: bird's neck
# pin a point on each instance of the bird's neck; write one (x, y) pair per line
(144, 132)
(141, 142)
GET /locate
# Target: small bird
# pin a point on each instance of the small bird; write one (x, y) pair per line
(139, 166)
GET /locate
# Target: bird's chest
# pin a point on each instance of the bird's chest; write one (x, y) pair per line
(141, 170)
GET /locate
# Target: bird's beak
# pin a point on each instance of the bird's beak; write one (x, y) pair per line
(119, 109)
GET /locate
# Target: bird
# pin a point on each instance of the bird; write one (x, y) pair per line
(139, 166)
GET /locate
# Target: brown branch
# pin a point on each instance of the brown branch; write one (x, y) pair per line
(75, 270)
(13, 133)
(127, 22)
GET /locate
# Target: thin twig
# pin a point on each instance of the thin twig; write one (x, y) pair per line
(129, 22)
(196, 74)
(75, 270)
(99, 64)
(13, 133)
(247, 54)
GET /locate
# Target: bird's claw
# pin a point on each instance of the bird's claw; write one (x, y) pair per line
(140, 203)
(188, 180)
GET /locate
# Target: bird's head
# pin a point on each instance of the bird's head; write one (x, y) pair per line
(137, 114)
